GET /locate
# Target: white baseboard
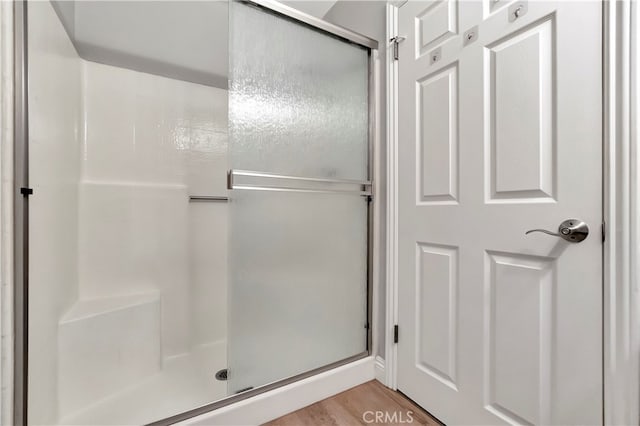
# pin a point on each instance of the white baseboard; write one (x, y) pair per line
(278, 402)
(379, 370)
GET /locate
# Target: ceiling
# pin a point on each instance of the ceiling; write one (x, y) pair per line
(187, 40)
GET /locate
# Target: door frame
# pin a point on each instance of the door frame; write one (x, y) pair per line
(621, 209)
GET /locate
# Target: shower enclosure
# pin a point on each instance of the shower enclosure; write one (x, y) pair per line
(199, 229)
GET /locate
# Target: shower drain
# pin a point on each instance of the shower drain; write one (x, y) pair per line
(222, 374)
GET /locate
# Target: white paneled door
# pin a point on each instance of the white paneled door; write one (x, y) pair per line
(500, 130)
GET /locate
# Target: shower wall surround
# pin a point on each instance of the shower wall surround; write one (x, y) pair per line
(114, 156)
(150, 142)
(55, 85)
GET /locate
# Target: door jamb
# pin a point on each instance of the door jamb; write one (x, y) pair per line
(391, 309)
(621, 301)
(621, 209)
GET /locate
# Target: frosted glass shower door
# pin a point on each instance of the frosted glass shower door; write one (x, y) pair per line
(299, 159)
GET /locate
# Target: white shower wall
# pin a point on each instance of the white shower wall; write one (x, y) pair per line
(55, 125)
(149, 143)
(139, 275)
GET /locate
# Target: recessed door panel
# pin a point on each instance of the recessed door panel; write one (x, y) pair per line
(437, 144)
(436, 307)
(517, 342)
(520, 117)
(437, 23)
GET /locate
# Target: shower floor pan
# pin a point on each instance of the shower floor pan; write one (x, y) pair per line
(185, 382)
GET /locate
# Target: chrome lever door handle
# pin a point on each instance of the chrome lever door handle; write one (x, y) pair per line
(555, 234)
(572, 230)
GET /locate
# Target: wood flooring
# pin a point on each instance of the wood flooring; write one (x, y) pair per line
(368, 404)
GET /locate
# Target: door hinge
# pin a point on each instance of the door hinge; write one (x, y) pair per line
(604, 231)
(395, 333)
(26, 191)
(396, 48)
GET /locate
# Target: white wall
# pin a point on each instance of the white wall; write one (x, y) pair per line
(55, 123)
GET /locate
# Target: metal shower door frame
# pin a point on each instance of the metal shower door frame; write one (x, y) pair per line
(22, 192)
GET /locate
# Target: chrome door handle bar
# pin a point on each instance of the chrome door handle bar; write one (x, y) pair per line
(572, 230)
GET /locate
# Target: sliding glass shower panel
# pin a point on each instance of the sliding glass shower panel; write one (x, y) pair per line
(299, 153)
(298, 98)
(298, 286)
